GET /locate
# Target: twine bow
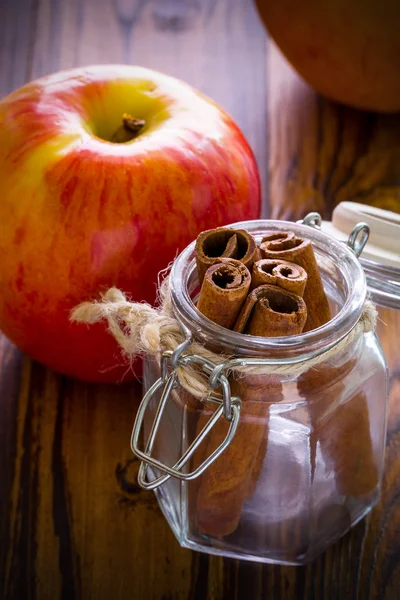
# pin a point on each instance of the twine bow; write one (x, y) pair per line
(141, 329)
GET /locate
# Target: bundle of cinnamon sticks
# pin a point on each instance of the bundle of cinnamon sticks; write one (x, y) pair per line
(274, 289)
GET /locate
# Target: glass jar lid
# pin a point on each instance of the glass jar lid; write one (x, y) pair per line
(380, 257)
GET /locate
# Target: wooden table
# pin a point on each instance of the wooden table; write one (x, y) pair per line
(73, 522)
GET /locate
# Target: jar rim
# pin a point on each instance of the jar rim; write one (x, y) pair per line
(305, 343)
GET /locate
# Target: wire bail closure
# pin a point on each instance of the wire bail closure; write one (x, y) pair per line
(229, 408)
(357, 238)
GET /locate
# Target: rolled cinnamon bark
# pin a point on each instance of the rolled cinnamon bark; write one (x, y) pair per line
(217, 497)
(222, 242)
(276, 241)
(271, 312)
(229, 481)
(345, 438)
(287, 275)
(224, 290)
(285, 245)
(350, 454)
(343, 431)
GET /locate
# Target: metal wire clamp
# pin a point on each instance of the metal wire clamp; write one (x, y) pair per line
(357, 238)
(228, 407)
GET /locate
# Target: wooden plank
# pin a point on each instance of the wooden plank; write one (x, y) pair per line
(17, 36)
(10, 372)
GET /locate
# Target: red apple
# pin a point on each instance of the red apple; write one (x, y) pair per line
(82, 209)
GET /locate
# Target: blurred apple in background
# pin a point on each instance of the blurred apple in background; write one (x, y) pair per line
(93, 197)
(348, 50)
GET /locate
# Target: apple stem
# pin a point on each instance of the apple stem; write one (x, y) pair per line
(129, 129)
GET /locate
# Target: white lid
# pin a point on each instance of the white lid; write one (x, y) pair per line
(383, 245)
(380, 257)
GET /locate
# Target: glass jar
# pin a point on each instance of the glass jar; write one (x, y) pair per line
(306, 459)
(381, 256)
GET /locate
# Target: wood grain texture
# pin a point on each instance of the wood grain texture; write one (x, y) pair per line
(321, 153)
(73, 522)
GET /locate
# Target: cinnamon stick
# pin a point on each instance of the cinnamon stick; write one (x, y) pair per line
(345, 437)
(228, 482)
(349, 453)
(224, 290)
(222, 242)
(341, 426)
(286, 246)
(287, 275)
(217, 497)
(271, 312)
